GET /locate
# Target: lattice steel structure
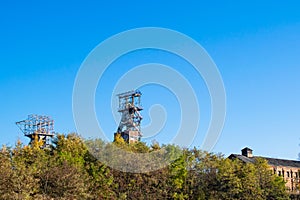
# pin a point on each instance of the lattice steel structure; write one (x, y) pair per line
(129, 108)
(37, 126)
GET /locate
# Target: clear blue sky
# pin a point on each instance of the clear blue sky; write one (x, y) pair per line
(255, 44)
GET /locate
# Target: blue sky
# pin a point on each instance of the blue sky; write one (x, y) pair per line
(255, 45)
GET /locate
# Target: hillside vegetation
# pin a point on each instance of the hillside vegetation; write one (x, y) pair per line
(69, 171)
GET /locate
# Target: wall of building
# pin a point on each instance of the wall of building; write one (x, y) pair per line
(291, 175)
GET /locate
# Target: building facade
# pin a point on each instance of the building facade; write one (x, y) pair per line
(289, 170)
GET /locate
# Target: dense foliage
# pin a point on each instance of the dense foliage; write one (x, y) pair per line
(69, 171)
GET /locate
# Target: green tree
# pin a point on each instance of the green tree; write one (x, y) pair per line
(6, 174)
(178, 176)
(247, 173)
(71, 169)
(272, 186)
(72, 157)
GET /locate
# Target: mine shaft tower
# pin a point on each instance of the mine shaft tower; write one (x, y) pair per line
(129, 108)
(38, 127)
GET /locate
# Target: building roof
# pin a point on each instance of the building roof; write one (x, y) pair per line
(247, 148)
(283, 162)
(271, 161)
(242, 158)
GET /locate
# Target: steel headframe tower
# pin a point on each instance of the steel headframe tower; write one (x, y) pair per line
(38, 127)
(129, 108)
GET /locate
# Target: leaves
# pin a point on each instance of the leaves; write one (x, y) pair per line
(71, 170)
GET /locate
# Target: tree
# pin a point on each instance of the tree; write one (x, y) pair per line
(72, 157)
(73, 169)
(64, 181)
(178, 176)
(6, 174)
(249, 182)
(272, 186)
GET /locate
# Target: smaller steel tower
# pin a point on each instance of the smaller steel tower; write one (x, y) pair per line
(38, 127)
(129, 108)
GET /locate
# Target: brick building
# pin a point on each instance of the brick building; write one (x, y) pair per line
(289, 170)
